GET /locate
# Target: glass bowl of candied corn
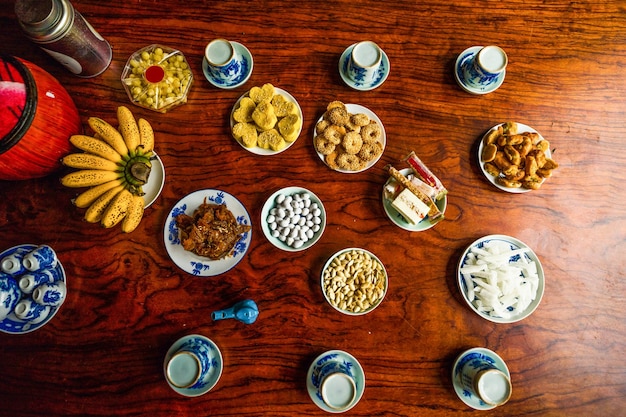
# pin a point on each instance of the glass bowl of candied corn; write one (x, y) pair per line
(157, 78)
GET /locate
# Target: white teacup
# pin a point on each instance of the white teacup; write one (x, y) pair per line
(28, 282)
(42, 257)
(486, 66)
(188, 366)
(337, 386)
(364, 62)
(12, 264)
(484, 380)
(50, 294)
(224, 63)
(9, 295)
(31, 311)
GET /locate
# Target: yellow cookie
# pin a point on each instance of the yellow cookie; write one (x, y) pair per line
(259, 94)
(289, 127)
(243, 113)
(246, 133)
(283, 107)
(264, 115)
(271, 139)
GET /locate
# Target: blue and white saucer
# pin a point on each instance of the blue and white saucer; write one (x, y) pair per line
(247, 65)
(15, 325)
(475, 354)
(381, 76)
(313, 381)
(213, 375)
(465, 58)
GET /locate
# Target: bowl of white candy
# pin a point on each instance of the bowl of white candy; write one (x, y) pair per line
(293, 219)
(500, 278)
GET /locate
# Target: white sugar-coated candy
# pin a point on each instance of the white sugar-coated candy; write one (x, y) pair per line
(280, 198)
(307, 203)
(280, 213)
(314, 206)
(294, 233)
(275, 233)
(306, 196)
(271, 218)
(288, 199)
(281, 238)
(305, 227)
(302, 234)
(274, 211)
(317, 220)
(310, 233)
(302, 221)
(290, 241)
(293, 219)
(284, 222)
(305, 211)
(297, 197)
(297, 211)
(317, 212)
(316, 228)
(297, 244)
(309, 223)
(273, 226)
(284, 231)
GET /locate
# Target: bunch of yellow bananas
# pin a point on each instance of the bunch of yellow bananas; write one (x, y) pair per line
(115, 165)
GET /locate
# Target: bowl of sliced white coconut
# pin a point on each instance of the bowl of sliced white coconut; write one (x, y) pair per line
(500, 278)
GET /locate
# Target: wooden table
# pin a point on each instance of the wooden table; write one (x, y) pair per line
(127, 302)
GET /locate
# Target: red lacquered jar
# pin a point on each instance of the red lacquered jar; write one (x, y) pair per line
(37, 118)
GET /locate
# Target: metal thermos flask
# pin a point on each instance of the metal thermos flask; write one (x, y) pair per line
(64, 34)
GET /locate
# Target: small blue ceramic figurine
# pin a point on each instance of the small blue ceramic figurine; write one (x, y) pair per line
(245, 311)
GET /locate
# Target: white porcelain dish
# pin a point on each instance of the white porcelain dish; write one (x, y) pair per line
(355, 109)
(527, 256)
(189, 261)
(521, 128)
(257, 149)
(400, 221)
(270, 203)
(156, 180)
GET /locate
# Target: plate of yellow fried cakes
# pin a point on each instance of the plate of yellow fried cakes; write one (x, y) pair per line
(266, 120)
(349, 138)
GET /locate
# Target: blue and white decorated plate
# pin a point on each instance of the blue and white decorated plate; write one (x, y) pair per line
(527, 256)
(12, 324)
(381, 76)
(214, 373)
(480, 354)
(313, 380)
(400, 221)
(189, 261)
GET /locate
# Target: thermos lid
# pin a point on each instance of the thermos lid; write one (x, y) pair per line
(44, 20)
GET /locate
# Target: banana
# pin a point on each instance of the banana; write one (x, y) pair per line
(134, 214)
(115, 165)
(89, 178)
(87, 197)
(117, 208)
(95, 146)
(97, 208)
(128, 128)
(109, 134)
(146, 135)
(89, 161)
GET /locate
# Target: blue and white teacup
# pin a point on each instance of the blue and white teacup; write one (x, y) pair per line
(485, 67)
(28, 282)
(51, 294)
(189, 365)
(482, 378)
(337, 385)
(364, 62)
(10, 295)
(42, 257)
(224, 63)
(12, 264)
(31, 311)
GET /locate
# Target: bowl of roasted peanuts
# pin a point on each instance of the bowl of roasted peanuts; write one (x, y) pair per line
(354, 281)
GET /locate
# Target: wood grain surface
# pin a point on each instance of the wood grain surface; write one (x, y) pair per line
(127, 302)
